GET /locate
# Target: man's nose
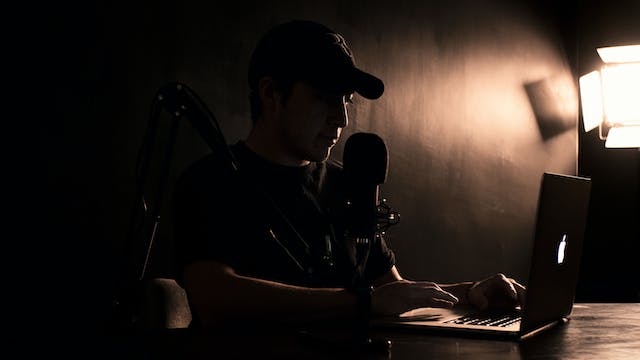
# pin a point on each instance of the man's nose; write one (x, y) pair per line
(339, 117)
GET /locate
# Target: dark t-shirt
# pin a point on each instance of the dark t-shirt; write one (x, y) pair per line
(268, 221)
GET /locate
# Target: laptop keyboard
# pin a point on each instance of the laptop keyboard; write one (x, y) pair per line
(487, 320)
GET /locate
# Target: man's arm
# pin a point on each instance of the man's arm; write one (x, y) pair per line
(497, 291)
(217, 293)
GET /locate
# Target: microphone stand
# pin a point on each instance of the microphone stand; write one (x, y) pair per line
(369, 229)
(178, 100)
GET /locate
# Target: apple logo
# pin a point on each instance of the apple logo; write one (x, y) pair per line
(562, 248)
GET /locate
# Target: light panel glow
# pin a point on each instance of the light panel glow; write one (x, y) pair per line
(610, 98)
(591, 98)
(623, 137)
(620, 54)
(621, 93)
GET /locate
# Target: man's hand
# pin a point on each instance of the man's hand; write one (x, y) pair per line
(496, 292)
(403, 295)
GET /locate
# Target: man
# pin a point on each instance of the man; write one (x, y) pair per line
(266, 240)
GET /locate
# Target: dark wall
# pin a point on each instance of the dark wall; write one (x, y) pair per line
(610, 263)
(480, 101)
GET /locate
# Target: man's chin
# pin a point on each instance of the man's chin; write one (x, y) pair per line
(320, 156)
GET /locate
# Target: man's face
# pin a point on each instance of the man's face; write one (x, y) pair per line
(311, 121)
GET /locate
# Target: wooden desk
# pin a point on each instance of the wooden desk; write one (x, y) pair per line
(595, 331)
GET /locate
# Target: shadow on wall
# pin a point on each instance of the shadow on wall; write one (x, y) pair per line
(554, 104)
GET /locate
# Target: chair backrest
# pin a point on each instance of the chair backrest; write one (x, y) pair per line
(164, 305)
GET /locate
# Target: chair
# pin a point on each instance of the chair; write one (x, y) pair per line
(164, 305)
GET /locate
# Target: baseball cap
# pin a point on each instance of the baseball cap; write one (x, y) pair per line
(313, 53)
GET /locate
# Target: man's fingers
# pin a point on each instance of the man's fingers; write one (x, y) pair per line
(496, 291)
(513, 294)
(400, 296)
(434, 290)
(447, 296)
(520, 290)
(438, 298)
(443, 294)
(516, 291)
(442, 303)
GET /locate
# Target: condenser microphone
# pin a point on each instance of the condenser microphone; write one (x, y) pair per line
(365, 162)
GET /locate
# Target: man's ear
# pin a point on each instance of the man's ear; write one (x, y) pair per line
(269, 95)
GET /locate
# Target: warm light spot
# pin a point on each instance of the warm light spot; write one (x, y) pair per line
(591, 98)
(621, 93)
(620, 54)
(623, 137)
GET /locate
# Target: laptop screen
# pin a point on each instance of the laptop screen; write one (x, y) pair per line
(562, 212)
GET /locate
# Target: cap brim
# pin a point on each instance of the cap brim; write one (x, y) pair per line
(366, 84)
(349, 79)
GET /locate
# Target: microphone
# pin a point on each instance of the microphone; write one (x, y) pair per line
(365, 163)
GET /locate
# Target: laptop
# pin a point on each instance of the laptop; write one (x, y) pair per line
(561, 218)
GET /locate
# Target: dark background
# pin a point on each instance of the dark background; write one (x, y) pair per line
(481, 98)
